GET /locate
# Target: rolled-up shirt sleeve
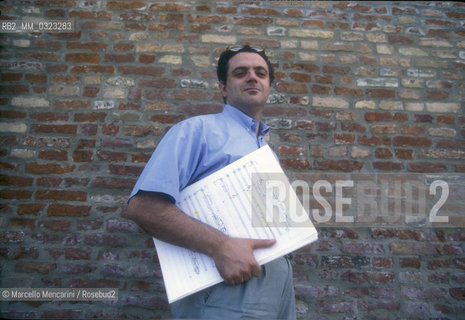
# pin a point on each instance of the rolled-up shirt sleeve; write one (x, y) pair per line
(171, 166)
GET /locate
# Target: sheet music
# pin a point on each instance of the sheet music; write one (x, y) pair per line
(224, 201)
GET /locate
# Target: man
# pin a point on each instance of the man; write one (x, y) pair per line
(192, 150)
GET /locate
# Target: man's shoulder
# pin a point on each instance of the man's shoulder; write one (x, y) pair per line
(200, 121)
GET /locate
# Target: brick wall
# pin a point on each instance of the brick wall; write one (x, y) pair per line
(361, 87)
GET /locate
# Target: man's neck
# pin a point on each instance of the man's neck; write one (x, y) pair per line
(255, 113)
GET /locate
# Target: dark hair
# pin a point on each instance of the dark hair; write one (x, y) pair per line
(223, 62)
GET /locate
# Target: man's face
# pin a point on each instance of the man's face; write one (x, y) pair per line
(248, 81)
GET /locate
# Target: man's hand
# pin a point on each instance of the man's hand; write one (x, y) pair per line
(235, 260)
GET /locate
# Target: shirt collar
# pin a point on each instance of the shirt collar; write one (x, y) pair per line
(245, 120)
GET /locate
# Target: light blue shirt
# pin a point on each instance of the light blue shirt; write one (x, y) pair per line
(197, 147)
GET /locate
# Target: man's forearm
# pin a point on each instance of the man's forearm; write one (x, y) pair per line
(233, 257)
(162, 219)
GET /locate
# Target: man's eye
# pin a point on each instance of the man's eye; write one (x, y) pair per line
(240, 74)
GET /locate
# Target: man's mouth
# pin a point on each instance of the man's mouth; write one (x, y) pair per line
(251, 89)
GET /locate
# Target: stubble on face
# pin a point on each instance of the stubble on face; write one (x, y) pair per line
(248, 83)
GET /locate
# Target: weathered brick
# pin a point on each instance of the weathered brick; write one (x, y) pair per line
(340, 165)
(373, 141)
(405, 248)
(39, 55)
(382, 262)
(60, 129)
(82, 57)
(105, 240)
(335, 69)
(348, 91)
(304, 124)
(48, 44)
(159, 48)
(292, 87)
(125, 170)
(427, 167)
(344, 138)
(72, 268)
(56, 225)
(358, 152)
(354, 247)
(381, 93)
(186, 94)
(290, 150)
(443, 107)
(300, 77)
(330, 102)
(368, 277)
(410, 262)
(72, 104)
(49, 182)
(327, 306)
(383, 153)
(387, 166)
(53, 155)
(112, 183)
(325, 126)
(174, 7)
(28, 253)
(414, 130)
(121, 226)
(119, 58)
(423, 293)
(398, 233)
(60, 195)
(149, 71)
(77, 254)
(67, 79)
(11, 236)
(30, 102)
(318, 89)
(62, 313)
(384, 129)
(93, 69)
(212, 38)
(365, 104)
(371, 306)
(15, 127)
(404, 154)
(385, 116)
(89, 225)
(299, 164)
(391, 61)
(398, 39)
(310, 33)
(30, 209)
(458, 293)
(82, 156)
(412, 141)
(90, 14)
(30, 267)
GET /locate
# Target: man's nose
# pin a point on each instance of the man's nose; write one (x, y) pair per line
(252, 76)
